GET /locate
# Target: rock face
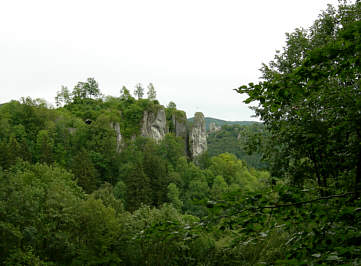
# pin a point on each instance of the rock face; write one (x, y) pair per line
(213, 127)
(154, 125)
(120, 142)
(198, 136)
(180, 129)
(180, 126)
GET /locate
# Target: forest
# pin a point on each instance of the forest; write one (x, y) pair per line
(235, 139)
(80, 185)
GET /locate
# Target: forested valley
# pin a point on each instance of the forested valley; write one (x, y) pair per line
(89, 183)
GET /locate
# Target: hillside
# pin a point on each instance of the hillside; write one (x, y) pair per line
(220, 122)
(232, 139)
(123, 180)
(80, 181)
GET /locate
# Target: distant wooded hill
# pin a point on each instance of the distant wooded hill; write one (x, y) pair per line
(221, 123)
(234, 139)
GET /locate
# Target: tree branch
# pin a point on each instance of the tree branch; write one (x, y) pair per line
(307, 201)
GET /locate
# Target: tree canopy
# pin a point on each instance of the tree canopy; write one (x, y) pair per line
(309, 99)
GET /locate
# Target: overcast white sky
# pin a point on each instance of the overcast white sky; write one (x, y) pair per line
(195, 52)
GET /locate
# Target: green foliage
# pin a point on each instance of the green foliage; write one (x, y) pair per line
(84, 170)
(34, 200)
(26, 257)
(45, 146)
(309, 98)
(156, 169)
(139, 91)
(286, 226)
(174, 116)
(98, 229)
(238, 140)
(80, 216)
(63, 96)
(152, 94)
(107, 195)
(138, 187)
(233, 171)
(219, 188)
(120, 190)
(220, 122)
(125, 94)
(173, 196)
(171, 105)
(168, 239)
(171, 148)
(84, 90)
(146, 203)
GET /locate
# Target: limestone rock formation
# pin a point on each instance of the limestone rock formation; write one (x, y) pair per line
(120, 142)
(154, 125)
(198, 136)
(213, 127)
(180, 126)
(180, 129)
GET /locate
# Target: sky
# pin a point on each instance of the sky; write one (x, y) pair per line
(195, 52)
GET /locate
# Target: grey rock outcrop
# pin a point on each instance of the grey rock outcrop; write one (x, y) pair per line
(180, 129)
(198, 136)
(154, 125)
(180, 126)
(213, 128)
(120, 142)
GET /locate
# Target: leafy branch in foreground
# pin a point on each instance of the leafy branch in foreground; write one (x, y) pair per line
(310, 101)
